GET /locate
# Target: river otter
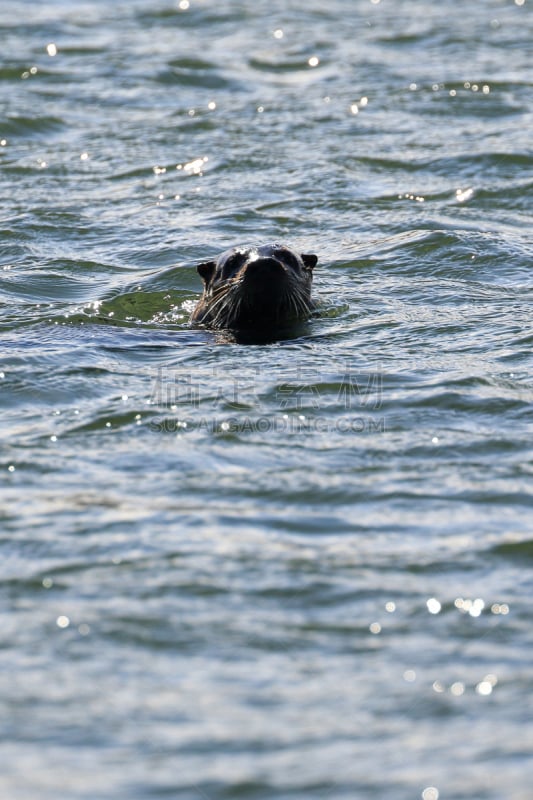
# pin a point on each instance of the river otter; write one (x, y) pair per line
(255, 288)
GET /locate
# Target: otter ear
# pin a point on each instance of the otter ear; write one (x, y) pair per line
(206, 270)
(310, 260)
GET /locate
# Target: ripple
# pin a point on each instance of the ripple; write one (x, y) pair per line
(195, 72)
(36, 127)
(52, 285)
(520, 551)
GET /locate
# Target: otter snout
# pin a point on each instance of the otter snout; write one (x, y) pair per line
(263, 280)
(264, 268)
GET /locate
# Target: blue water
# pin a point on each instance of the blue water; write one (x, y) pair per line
(292, 570)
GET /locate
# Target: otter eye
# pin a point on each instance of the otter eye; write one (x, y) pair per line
(287, 257)
(233, 264)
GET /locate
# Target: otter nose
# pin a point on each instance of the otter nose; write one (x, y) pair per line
(265, 267)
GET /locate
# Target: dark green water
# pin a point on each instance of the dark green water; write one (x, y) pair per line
(290, 570)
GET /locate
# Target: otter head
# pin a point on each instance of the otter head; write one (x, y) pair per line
(255, 287)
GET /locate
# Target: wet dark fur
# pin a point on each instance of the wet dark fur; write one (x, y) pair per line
(251, 288)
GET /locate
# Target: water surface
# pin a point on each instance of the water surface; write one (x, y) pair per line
(296, 569)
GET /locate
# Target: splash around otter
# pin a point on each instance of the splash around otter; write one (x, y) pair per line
(253, 288)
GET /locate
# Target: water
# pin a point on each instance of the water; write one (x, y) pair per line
(296, 569)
